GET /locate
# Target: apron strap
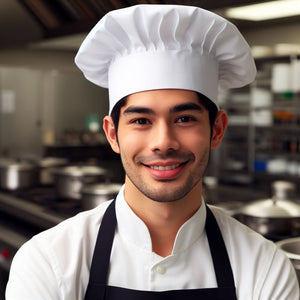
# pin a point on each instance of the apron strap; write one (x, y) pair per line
(218, 251)
(101, 261)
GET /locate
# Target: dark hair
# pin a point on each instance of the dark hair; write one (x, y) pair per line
(210, 106)
(115, 113)
(206, 102)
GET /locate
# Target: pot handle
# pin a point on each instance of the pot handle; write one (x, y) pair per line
(274, 200)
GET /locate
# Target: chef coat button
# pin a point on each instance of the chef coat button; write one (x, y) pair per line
(161, 269)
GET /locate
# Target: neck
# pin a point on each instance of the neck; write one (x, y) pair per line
(163, 219)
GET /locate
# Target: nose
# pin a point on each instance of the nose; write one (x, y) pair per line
(163, 138)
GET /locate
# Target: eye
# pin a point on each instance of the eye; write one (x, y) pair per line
(185, 119)
(141, 121)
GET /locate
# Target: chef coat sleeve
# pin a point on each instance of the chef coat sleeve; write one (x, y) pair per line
(281, 280)
(32, 276)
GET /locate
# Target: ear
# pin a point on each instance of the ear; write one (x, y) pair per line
(111, 134)
(219, 128)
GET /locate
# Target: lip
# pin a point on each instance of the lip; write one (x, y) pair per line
(165, 170)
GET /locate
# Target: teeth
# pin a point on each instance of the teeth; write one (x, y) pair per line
(166, 168)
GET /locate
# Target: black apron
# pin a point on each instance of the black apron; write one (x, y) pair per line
(98, 290)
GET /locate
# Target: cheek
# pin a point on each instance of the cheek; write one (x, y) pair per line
(130, 143)
(196, 141)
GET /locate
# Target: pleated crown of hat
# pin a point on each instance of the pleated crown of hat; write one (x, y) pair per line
(146, 47)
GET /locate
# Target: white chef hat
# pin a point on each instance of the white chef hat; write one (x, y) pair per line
(147, 47)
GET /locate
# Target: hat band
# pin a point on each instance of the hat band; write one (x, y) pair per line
(170, 69)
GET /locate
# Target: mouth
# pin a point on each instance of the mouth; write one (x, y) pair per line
(165, 171)
(165, 168)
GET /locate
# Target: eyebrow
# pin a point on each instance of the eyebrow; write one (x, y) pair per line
(139, 110)
(175, 109)
(186, 106)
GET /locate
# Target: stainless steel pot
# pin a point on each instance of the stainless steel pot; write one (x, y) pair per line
(274, 217)
(70, 180)
(47, 167)
(17, 175)
(291, 247)
(95, 194)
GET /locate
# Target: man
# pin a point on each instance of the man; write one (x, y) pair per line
(163, 65)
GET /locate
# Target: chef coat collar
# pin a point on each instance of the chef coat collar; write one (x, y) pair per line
(134, 230)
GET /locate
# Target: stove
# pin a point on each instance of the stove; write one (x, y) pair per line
(25, 213)
(39, 206)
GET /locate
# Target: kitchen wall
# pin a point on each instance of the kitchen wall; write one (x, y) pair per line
(20, 110)
(42, 94)
(272, 35)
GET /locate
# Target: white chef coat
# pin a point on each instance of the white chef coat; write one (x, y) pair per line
(55, 264)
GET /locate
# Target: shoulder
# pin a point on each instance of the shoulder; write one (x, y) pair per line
(243, 244)
(256, 261)
(241, 240)
(80, 224)
(72, 236)
(232, 228)
(59, 257)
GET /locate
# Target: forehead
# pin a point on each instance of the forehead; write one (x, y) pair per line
(164, 98)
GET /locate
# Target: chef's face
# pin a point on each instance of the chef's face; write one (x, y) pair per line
(164, 140)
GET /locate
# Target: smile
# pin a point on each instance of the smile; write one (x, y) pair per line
(162, 171)
(165, 168)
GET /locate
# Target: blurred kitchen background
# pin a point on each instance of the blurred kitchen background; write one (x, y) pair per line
(55, 161)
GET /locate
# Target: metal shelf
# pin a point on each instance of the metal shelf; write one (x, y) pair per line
(243, 142)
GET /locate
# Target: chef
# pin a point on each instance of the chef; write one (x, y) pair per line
(164, 66)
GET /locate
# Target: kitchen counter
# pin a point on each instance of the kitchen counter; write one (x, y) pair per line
(33, 213)
(233, 193)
